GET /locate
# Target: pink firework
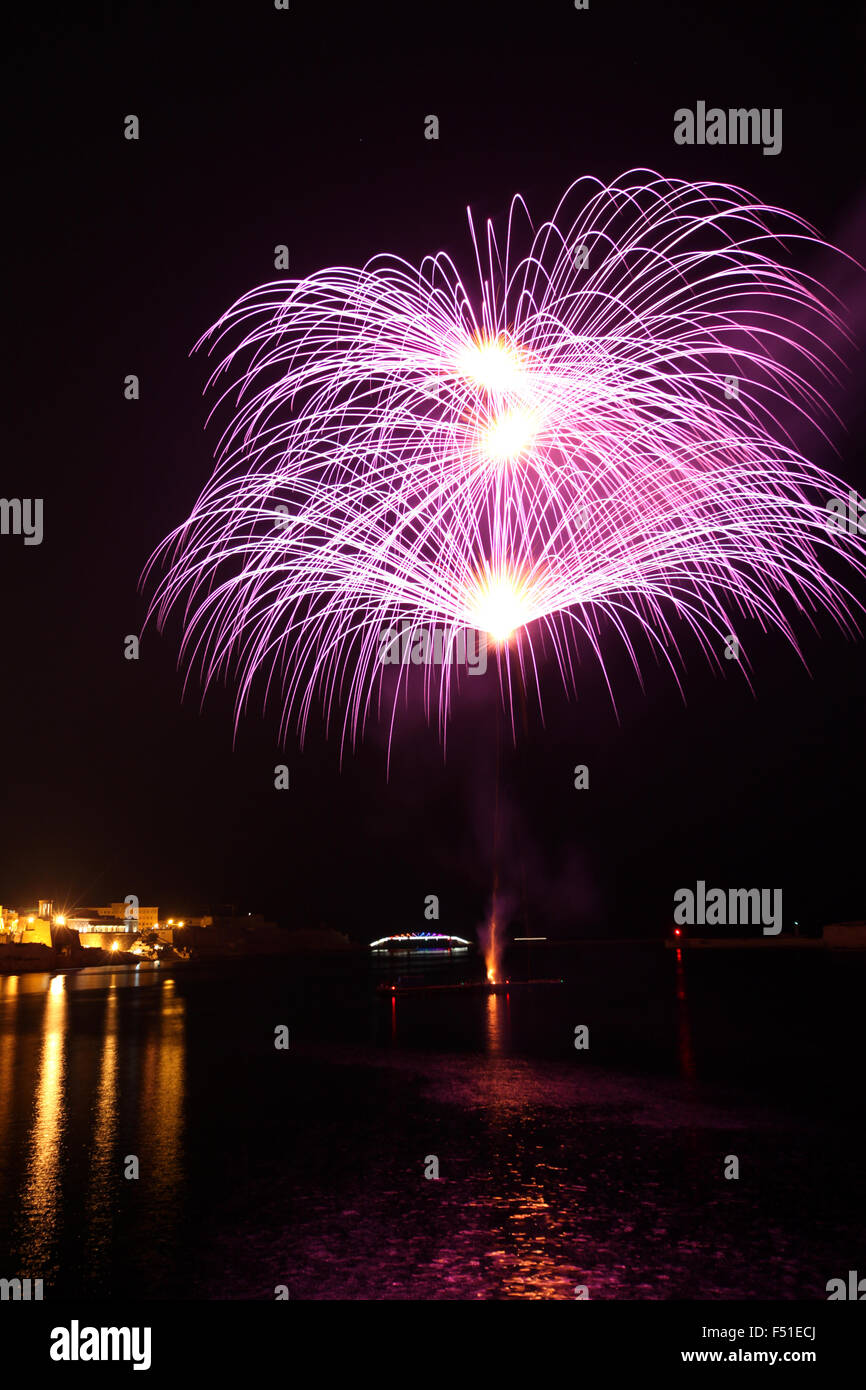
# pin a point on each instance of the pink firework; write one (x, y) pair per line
(595, 437)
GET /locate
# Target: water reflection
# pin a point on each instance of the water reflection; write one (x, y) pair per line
(495, 1023)
(532, 1265)
(102, 1173)
(525, 1233)
(8, 1049)
(91, 1065)
(160, 1114)
(41, 1191)
(685, 1049)
(556, 1172)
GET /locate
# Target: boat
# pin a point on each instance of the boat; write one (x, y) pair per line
(413, 942)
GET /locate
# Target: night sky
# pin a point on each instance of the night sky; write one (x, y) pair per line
(261, 127)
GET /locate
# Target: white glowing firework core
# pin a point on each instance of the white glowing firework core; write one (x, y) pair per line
(492, 364)
(499, 605)
(509, 434)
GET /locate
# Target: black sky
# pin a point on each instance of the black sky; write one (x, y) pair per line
(261, 127)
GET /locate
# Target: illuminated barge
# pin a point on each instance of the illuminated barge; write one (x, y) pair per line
(416, 941)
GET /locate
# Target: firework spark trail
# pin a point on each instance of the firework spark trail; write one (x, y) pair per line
(551, 450)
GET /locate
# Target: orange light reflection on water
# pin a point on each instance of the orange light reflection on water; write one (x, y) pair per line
(526, 1221)
(41, 1192)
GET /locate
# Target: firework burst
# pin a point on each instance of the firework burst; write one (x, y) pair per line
(596, 436)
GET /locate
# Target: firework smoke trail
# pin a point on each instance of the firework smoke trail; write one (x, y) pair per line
(547, 456)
